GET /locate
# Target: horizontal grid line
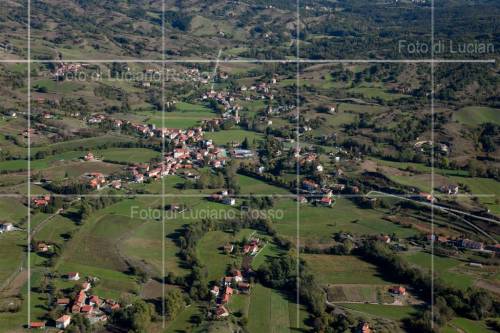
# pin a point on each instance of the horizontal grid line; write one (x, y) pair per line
(258, 61)
(277, 195)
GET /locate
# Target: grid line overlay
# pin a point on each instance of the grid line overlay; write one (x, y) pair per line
(29, 164)
(433, 160)
(297, 240)
(298, 61)
(163, 87)
(257, 61)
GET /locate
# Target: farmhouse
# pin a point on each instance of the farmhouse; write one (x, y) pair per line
(229, 201)
(80, 298)
(97, 179)
(384, 238)
(42, 247)
(326, 201)
(251, 248)
(309, 185)
(63, 322)
(86, 286)
(449, 189)
(95, 300)
(242, 153)
(426, 196)
(228, 248)
(5, 227)
(87, 309)
(37, 325)
(116, 184)
(221, 311)
(398, 290)
(227, 281)
(63, 302)
(215, 291)
(237, 276)
(73, 276)
(469, 244)
(363, 328)
(225, 298)
(89, 157)
(41, 201)
(302, 199)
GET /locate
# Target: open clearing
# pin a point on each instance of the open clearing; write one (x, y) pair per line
(336, 269)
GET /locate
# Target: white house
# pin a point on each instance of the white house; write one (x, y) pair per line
(63, 322)
(6, 227)
(73, 276)
(229, 201)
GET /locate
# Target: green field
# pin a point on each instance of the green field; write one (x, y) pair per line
(477, 115)
(420, 167)
(448, 269)
(216, 261)
(391, 312)
(12, 210)
(357, 108)
(317, 224)
(119, 155)
(251, 185)
(62, 87)
(55, 229)
(12, 248)
(464, 325)
(127, 155)
(186, 116)
(11, 322)
(96, 249)
(83, 144)
(225, 137)
(487, 189)
(374, 92)
(333, 269)
(269, 311)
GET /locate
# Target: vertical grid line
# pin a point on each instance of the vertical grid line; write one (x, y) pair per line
(163, 67)
(297, 152)
(28, 249)
(432, 162)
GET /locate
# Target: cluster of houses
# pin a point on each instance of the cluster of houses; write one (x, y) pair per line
(234, 283)
(449, 189)
(427, 145)
(91, 306)
(223, 197)
(186, 157)
(318, 195)
(227, 100)
(251, 247)
(464, 243)
(191, 151)
(260, 91)
(63, 69)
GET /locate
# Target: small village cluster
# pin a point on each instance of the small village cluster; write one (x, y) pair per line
(91, 306)
(464, 243)
(236, 282)
(320, 195)
(67, 68)
(191, 151)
